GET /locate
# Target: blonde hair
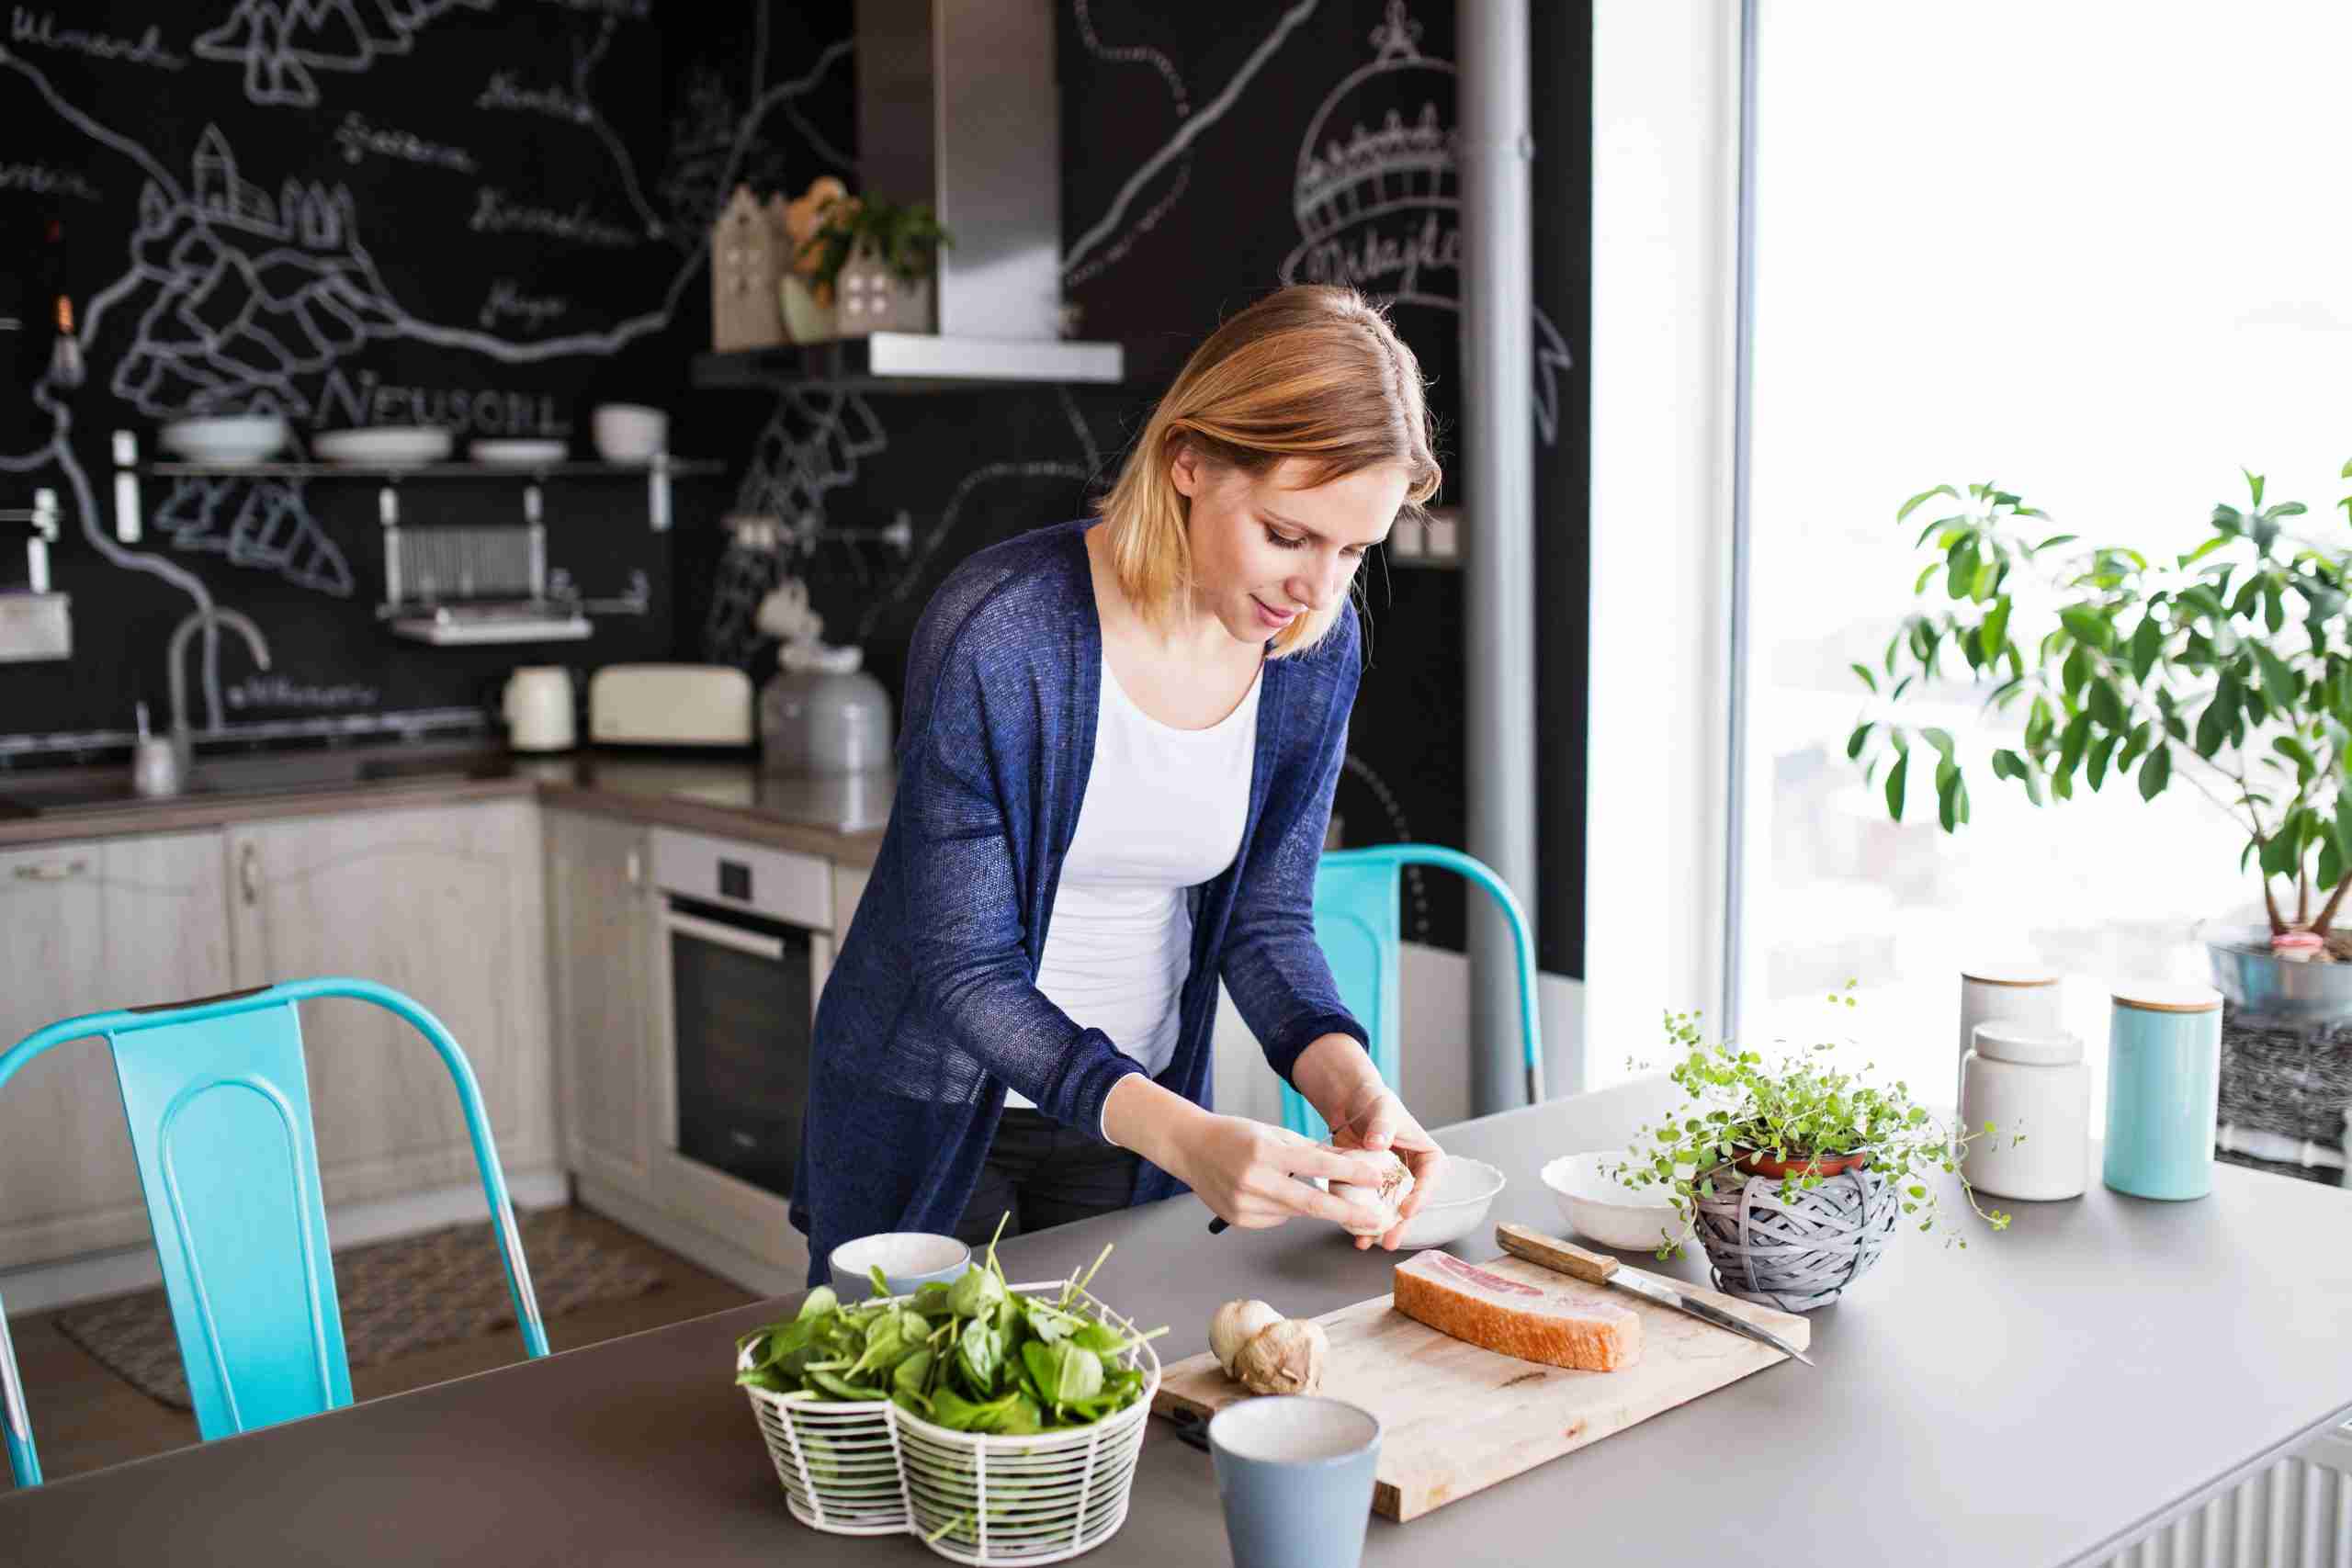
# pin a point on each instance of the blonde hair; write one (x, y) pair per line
(1312, 372)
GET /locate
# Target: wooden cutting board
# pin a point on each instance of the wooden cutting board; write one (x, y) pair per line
(1458, 1418)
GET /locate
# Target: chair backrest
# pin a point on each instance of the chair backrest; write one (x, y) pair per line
(1359, 927)
(218, 1101)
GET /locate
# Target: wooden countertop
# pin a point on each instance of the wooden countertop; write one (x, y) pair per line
(729, 798)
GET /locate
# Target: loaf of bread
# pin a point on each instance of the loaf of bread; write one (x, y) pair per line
(1559, 1328)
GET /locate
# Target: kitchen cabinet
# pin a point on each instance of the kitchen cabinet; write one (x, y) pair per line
(84, 928)
(446, 903)
(600, 969)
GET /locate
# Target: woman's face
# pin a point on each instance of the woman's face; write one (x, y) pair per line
(1264, 549)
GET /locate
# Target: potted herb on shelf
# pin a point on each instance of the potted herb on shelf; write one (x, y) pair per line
(1792, 1171)
(869, 263)
(2228, 668)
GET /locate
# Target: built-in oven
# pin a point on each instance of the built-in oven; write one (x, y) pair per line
(747, 951)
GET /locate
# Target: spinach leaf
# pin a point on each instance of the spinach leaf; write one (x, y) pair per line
(979, 1351)
(840, 1387)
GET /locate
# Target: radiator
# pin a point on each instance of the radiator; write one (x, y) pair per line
(2297, 1514)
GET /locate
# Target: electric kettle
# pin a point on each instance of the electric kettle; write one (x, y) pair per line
(538, 709)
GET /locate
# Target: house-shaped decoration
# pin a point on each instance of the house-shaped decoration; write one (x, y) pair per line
(749, 255)
(870, 298)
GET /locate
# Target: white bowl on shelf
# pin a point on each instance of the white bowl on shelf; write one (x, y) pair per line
(1602, 1209)
(1464, 1189)
(228, 441)
(517, 453)
(630, 432)
(383, 446)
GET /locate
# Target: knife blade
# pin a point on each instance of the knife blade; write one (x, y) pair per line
(1600, 1268)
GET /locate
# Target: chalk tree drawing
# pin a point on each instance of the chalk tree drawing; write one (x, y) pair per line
(281, 42)
(1379, 205)
(261, 524)
(245, 295)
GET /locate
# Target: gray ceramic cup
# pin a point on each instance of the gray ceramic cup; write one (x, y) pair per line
(1295, 1473)
(907, 1258)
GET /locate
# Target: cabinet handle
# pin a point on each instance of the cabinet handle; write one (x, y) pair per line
(249, 872)
(636, 868)
(51, 871)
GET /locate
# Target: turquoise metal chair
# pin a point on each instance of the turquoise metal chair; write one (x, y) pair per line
(1360, 930)
(219, 1104)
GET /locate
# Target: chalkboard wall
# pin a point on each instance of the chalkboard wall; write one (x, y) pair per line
(491, 215)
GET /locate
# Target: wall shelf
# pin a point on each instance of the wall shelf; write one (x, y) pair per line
(393, 473)
(912, 362)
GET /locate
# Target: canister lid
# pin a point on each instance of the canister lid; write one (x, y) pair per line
(2168, 995)
(2010, 974)
(2005, 1041)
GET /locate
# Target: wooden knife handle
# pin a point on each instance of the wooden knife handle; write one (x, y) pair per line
(1553, 1253)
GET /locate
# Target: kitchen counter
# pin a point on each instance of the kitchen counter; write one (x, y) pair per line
(2045, 1397)
(838, 820)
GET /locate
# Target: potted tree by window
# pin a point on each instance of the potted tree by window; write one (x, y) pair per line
(2228, 668)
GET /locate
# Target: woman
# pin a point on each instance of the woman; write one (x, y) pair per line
(1121, 741)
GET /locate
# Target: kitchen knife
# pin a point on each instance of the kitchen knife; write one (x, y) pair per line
(1600, 1268)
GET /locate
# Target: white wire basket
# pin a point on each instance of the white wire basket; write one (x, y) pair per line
(871, 1468)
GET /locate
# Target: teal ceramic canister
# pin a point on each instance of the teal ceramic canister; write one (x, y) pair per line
(2163, 1084)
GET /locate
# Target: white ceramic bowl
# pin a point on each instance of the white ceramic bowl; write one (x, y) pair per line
(228, 440)
(908, 1259)
(630, 432)
(383, 446)
(1464, 1189)
(1604, 1209)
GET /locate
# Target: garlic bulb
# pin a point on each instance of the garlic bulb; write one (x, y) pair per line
(1283, 1358)
(1234, 1325)
(1379, 1205)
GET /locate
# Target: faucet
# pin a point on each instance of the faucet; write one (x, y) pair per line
(183, 744)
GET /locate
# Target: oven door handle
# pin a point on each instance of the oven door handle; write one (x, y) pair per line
(758, 944)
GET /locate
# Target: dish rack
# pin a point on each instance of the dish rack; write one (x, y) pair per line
(868, 1467)
(451, 585)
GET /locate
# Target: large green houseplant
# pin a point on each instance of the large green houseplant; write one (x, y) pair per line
(2228, 668)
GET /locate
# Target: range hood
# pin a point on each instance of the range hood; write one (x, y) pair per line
(957, 105)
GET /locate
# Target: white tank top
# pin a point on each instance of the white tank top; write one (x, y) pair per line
(1163, 812)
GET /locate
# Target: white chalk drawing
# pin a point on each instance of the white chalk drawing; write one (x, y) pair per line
(245, 293)
(39, 30)
(281, 42)
(1111, 227)
(496, 213)
(507, 299)
(1132, 55)
(1400, 831)
(259, 524)
(1379, 205)
(357, 139)
(40, 179)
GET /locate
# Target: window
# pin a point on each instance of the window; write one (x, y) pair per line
(2094, 255)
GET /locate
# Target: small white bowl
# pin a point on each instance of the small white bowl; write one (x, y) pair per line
(907, 1258)
(225, 440)
(1464, 1189)
(630, 432)
(1606, 1210)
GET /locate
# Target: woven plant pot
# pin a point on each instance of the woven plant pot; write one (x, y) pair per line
(1797, 1256)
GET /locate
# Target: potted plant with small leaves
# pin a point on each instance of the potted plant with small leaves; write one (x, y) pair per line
(1792, 1171)
(2227, 668)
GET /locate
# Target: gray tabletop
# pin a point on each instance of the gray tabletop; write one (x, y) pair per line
(2040, 1398)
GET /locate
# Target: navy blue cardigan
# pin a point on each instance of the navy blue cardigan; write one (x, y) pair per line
(932, 1008)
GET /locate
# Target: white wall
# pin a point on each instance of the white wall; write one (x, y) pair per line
(1665, 94)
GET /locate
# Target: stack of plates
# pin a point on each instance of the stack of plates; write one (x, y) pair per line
(383, 446)
(230, 441)
(517, 454)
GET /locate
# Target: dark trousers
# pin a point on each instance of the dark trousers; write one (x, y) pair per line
(1040, 1173)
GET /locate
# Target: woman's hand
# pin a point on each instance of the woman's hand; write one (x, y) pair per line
(1249, 1173)
(1337, 1079)
(1379, 1121)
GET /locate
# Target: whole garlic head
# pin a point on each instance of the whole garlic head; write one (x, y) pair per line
(1379, 1205)
(1283, 1358)
(1234, 1325)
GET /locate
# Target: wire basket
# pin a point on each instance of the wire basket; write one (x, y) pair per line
(870, 1468)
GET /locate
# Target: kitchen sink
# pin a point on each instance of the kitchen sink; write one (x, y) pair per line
(214, 778)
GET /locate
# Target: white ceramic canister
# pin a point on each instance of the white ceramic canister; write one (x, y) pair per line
(2027, 994)
(2035, 1089)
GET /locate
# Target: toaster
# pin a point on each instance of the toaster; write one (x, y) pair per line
(670, 704)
